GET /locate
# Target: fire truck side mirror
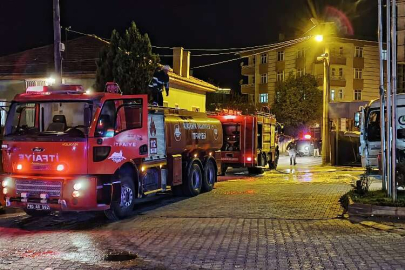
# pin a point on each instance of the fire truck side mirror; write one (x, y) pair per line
(357, 119)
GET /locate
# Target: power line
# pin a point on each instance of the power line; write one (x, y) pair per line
(285, 44)
(89, 35)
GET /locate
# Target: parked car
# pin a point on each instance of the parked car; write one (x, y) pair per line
(305, 148)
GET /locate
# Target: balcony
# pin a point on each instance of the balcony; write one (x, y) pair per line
(337, 59)
(248, 88)
(248, 70)
(337, 81)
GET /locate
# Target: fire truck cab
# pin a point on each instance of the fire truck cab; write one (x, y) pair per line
(67, 150)
(249, 140)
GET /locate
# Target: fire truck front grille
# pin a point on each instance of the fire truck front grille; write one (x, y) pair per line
(37, 187)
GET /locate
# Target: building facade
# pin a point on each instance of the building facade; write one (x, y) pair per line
(354, 69)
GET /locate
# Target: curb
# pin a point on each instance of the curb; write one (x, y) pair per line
(357, 212)
(358, 209)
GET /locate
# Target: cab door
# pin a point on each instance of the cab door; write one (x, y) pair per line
(120, 135)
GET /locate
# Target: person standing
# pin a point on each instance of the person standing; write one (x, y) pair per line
(315, 143)
(292, 151)
(160, 79)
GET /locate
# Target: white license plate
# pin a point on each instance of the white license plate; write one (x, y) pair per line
(39, 207)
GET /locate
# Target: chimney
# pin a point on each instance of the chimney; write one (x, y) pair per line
(186, 64)
(178, 60)
(281, 37)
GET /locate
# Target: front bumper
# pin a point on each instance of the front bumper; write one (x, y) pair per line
(17, 191)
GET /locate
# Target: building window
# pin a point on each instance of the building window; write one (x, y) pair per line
(264, 98)
(341, 72)
(341, 94)
(263, 58)
(301, 53)
(357, 94)
(332, 94)
(358, 52)
(280, 56)
(341, 51)
(280, 76)
(263, 78)
(300, 72)
(358, 73)
(384, 55)
(333, 72)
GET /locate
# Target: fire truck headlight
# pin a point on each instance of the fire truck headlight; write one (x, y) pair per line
(77, 186)
(7, 182)
(5, 191)
(75, 194)
(60, 167)
(19, 167)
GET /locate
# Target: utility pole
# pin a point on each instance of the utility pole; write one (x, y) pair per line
(394, 98)
(382, 98)
(389, 130)
(57, 42)
(325, 116)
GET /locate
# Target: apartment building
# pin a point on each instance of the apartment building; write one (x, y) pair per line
(354, 69)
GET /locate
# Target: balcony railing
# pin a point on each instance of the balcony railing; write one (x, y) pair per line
(248, 88)
(248, 70)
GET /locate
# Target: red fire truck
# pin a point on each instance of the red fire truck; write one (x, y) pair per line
(249, 140)
(66, 150)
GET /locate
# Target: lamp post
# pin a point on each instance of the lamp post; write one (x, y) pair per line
(325, 112)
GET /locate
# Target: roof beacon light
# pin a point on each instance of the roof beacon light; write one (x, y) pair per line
(307, 136)
(228, 117)
(61, 89)
(112, 87)
(37, 89)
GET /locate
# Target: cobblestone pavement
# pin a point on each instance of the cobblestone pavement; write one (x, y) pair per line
(274, 221)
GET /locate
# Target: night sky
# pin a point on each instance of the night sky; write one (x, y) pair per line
(26, 24)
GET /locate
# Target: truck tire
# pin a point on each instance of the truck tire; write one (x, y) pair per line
(192, 185)
(273, 163)
(123, 207)
(210, 176)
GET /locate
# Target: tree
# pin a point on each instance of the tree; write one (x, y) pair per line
(127, 60)
(298, 102)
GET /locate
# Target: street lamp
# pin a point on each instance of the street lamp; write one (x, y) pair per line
(325, 115)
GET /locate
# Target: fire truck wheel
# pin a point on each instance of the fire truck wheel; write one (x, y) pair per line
(209, 176)
(273, 163)
(35, 213)
(193, 183)
(122, 207)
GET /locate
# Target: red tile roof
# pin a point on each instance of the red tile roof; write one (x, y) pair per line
(79, 58)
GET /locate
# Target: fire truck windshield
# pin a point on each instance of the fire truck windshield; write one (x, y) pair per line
(62, 118)
(231, 137)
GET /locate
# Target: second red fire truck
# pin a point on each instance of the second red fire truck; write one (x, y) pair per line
(249, 140)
